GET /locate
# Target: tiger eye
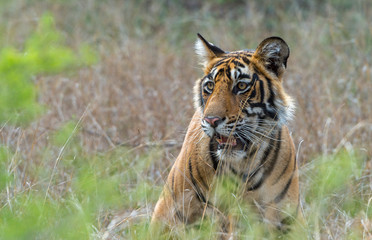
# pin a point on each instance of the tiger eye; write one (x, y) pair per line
(242, 85)
(210, 85)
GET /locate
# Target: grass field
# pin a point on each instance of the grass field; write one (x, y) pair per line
(106, 96)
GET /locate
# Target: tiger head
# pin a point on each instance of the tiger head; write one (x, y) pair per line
(241, 97)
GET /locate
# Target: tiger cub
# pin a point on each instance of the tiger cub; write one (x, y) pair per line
(239, 126)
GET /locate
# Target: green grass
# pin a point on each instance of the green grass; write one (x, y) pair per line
(44, 52)
(98, 185)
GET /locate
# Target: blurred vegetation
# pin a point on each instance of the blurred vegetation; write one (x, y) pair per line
(101, 176)
(97, 183)
(44, 53)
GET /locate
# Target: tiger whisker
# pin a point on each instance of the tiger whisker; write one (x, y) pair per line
(257, 139)
(247, 128)
(253, 138)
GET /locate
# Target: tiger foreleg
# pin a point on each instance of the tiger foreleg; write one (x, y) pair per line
(185, 195)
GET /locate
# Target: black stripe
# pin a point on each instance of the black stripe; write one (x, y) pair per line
(199, 193)
(284, 169)
(228, 72)
(201, 100)
(267, 150)
(259, 104)
(254, 86)
(262, 90)
(238, 64)
(271, 98)
(180, 216)
(269, 166)
(234, 171)
(253, 83)
(220, 62)
(254, 78)
(219, 72)
(284, 191)
(267, 170)
(287, 220)
(244, 75)
(271, 113)
(212, 155)
(251, 175)
(245, 111)
(202, 179)
(256, 185)
(246, 60)
(284, 224)
(236, 73)
(253, 152)
(253, 93)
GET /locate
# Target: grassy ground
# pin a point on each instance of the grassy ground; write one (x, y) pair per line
(92, 163)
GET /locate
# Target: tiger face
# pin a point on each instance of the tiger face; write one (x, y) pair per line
(241, 96)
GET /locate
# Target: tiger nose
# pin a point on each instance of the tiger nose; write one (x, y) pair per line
(213, 121)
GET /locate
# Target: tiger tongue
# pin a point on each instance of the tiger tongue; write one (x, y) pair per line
(223, 139)
(226, 140)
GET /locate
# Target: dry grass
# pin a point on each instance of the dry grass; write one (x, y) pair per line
(139, 95)
(142, 88)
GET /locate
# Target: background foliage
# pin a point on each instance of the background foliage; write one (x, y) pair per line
(43, 52)
(95, 98)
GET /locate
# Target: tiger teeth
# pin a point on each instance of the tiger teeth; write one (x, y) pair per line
(230, 141)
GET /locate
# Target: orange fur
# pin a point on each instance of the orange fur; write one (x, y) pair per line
(239, 127)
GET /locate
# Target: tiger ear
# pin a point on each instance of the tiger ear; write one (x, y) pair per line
(273, 53)
(206, 50)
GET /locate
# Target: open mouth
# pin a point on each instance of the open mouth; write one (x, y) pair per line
(228, 142)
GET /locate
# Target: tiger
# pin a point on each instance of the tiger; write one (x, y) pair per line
(239, 127)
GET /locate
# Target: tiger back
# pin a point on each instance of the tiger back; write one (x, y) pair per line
(239, 127)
